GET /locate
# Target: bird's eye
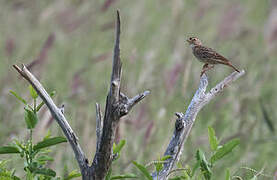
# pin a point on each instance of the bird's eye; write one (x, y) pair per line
(190, 38)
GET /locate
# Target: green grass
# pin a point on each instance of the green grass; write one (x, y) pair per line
(152, 45)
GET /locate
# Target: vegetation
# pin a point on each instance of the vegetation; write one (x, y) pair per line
(76, 58)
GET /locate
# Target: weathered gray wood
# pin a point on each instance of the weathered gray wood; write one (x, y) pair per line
(117, 105)
(99, 125)
(59, 117)
(184, 122)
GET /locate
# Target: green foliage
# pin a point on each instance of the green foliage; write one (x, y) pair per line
(35, 156)
(18, 97)
(143, 170)
(206, 166)
(124, 176)
(49, 142)
(116, 153)
(52, 94)
(31, 118)
(212, 139)
(8, 150)
(6, 174)
(159, 164)
(227, 176)
(33, 92)
(117, 148)
(224, 150)
(73, 174)
(109, 174)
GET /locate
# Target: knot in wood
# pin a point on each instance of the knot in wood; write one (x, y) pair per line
(179, 124)
(122, 109)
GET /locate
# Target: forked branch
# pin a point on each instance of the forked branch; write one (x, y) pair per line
(117, 105)
(184, 122)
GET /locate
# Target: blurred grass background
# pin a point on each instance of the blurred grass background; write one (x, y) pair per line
(69, 44)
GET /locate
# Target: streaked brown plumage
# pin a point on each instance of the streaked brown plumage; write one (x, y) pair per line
(207, 55)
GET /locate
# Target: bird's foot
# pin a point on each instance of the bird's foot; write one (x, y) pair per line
(205, 68)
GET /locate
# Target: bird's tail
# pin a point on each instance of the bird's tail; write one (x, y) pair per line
(229, 64)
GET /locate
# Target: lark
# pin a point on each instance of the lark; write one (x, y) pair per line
(208, 56)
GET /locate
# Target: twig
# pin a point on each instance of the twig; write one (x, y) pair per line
(184, 122)
(59, 117)
(116, 71)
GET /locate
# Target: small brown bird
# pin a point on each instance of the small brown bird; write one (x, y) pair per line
(207, 55)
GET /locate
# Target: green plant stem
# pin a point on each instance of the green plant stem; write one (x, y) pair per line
(35, 106)
(31, 134)
(31, 145)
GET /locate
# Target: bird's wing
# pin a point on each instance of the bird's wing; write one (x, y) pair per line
(209, 53)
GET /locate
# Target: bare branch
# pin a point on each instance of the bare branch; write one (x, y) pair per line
(184, 122)
(99, 125)
(117, 105)
(59, 117)
(137, 99)
(62, 108)
(126, 104)
(116, 72)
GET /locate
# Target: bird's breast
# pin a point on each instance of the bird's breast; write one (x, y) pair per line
(199, 56)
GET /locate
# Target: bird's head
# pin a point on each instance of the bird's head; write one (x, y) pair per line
(194, 41)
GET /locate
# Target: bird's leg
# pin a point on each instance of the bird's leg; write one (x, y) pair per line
(204, 69)
(210, 67)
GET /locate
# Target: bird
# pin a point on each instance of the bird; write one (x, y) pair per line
(208, 56)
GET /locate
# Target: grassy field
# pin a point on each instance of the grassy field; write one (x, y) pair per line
(71, 43)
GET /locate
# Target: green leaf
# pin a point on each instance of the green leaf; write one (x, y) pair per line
(48, 135)
(143, 170)
(52, 94)
(49, 142)
(108, 176)
(31, 118)
(158, 166)
(178, 178)
(8, 150)
(6, 175)
(166, 157)
(224, 150)
(45, 171)
(44, 158)
(124, 176)
(119, 146)
(73, 174)
(3, 163)
(33, 92)
(227, 176)
(212, 139)
(254, 178)
(204, 165)
(18, 97)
